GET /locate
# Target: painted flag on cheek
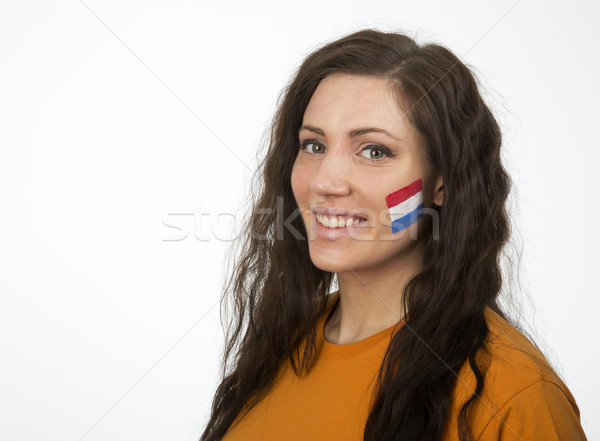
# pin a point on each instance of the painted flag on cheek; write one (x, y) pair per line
(405, 205)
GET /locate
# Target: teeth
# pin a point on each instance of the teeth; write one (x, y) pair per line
(337, 221)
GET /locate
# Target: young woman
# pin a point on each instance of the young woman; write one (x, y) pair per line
(383, 176)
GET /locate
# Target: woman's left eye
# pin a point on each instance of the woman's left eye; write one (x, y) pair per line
(380, 153)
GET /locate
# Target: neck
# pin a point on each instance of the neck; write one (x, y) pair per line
(370, 300)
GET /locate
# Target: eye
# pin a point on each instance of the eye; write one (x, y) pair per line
(312, 146)
(317, 147)
(380, 153)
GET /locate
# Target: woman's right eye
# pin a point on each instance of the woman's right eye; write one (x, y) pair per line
(316, 147)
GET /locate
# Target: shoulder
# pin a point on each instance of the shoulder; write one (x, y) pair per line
(515, 363)
(522, 396)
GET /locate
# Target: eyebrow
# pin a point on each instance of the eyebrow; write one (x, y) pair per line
(352, 133)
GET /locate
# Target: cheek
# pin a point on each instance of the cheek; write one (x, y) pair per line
(300, 181)
(405, 205)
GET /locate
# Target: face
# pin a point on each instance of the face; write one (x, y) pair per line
(346, 170)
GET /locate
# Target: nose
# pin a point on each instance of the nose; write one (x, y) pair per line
(331, 177)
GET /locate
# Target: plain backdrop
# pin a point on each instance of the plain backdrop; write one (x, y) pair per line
(122, 122)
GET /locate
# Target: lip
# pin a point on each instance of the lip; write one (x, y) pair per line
(328, 233)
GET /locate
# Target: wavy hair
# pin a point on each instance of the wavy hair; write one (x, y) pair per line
(278, 295)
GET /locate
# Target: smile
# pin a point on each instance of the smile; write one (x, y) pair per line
(338, 221)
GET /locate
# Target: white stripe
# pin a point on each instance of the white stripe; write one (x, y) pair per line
(405, 207)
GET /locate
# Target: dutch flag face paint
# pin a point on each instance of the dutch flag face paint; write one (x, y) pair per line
(405, 205)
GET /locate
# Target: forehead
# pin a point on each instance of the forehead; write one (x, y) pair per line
(344, 100)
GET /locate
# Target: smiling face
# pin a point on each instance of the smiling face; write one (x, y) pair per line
(342, 165)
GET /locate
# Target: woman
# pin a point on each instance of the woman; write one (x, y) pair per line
(384, 175)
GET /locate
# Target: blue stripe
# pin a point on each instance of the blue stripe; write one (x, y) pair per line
(408, 219)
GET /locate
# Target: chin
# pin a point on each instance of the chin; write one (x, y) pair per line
(332, 268)
(333, 263)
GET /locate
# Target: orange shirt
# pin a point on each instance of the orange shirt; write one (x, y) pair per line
(523, 399)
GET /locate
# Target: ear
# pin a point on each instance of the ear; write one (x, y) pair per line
(438, 195)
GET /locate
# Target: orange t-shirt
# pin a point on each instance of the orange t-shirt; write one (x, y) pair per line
(523, 398)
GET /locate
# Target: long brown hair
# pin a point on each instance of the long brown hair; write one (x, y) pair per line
(278, 295)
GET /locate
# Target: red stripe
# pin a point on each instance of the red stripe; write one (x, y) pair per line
(403, 194)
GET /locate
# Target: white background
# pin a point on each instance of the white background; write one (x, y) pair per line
(117, 117)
